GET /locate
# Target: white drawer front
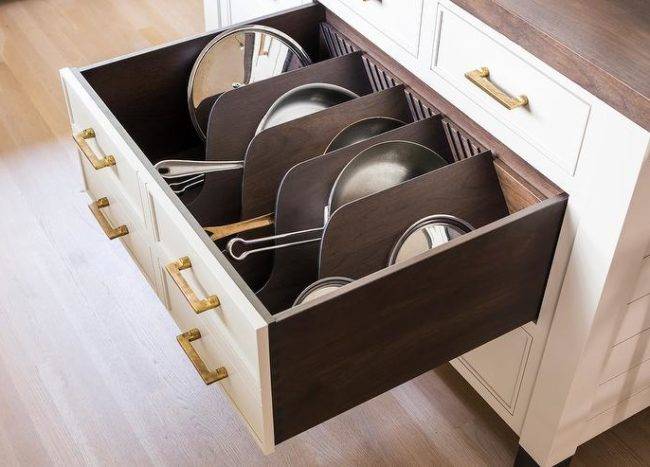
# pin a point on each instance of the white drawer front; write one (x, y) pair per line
(120, 212)
(216, 349)
(627, 354)
(397, 20)
(203, 279)
(85, 114)
(233, 335)
(618, 389)
(554, 120)
(245, 10)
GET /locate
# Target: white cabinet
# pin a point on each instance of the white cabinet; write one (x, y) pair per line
(554, 118)
(396, 21)
(223, 13)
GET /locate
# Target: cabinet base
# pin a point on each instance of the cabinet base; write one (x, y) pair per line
(523, 459)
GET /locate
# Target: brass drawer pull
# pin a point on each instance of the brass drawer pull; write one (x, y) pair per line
(98, 163)
(481, 78)
(110, 231)
(199, 306)
(208, 376)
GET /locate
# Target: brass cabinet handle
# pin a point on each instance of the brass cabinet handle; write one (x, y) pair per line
(208, 376)
(97, 162)
(110, 231)
(481, 78)
(199, 306)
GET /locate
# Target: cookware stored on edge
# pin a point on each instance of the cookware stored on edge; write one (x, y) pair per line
(302, 101)
(377, 168)
(238, 57)
(356, 132)
(425, 234)
(362, 130)
(299, 102)
(321, 287)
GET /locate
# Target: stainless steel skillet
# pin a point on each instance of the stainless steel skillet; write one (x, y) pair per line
(356, 132)
(375, 169)
(298, 102)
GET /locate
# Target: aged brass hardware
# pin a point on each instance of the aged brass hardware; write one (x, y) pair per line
(223, 231)
(481, 78)
(199, 306)
(208, 376)
(110, 231)
(97, 162)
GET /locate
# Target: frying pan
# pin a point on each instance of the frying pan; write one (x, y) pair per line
(362, 130)
(304, 100)
(375, 169)
(356, 132)
(298, 102)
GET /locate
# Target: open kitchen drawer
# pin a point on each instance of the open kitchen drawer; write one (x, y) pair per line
(286, 368)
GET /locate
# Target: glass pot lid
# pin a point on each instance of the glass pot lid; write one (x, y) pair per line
(427, 233)
(235, 58)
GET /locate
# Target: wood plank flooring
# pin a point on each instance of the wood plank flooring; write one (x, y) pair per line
(90, 371)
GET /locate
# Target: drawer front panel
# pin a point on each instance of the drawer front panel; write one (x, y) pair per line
(627, 354)
(216, 350)
(119, 212)
(241, 11)
(554, 120)
(384, 329)
(86, 115)
(228, 339)
(172, 244)
(618, 389)
(398, 20)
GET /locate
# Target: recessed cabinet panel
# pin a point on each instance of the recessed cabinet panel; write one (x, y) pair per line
(398, 20)
(504, 379)
(553, 119)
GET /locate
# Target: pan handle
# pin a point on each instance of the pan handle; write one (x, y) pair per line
(176, 168)
(231, 243)
(223, 231)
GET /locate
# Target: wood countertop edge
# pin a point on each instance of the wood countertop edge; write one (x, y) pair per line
(593, 78)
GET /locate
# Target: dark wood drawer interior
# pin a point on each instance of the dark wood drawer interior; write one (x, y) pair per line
(392, 323)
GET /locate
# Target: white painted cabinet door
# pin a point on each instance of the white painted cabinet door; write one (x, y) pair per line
(223, 13)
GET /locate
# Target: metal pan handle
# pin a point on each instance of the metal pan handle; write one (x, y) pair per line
(176, 168)
(231, 243)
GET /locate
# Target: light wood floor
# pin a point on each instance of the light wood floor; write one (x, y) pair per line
(90, 372)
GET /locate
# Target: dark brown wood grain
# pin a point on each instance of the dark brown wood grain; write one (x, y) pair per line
(602, 45)
(147, 93)
(236, 115)
(478, 133)
(332, 354)
(360, 235)
(303, 194)
(234, 120)
(274, 151)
